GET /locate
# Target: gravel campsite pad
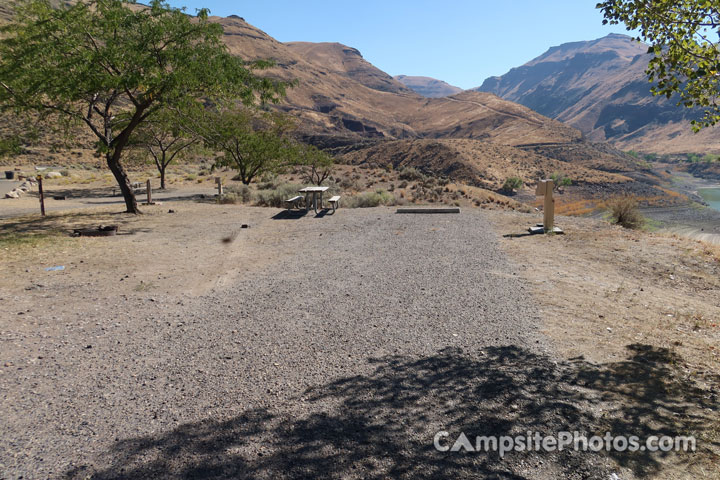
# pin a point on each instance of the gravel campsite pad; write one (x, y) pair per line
(341, 356)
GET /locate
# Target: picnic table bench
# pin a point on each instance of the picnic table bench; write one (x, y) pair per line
(314, 197)
(294, 202)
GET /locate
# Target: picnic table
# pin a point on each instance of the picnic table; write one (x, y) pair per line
(315, 192)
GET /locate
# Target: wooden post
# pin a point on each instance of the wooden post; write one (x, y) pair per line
(549, 207)
(42, 196)
(148, 190)
(545, 188)
(218, 180)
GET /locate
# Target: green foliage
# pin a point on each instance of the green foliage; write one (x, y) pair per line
(624, 211)
(512, 183)
(370, 199)
(709, 158)
(633, 153)
(651, 157)
(109, 65)
(10, 146)
(161, 140)
(254, 143)
(560, 180)
(693, 158)
(682, 35)
(315, 165)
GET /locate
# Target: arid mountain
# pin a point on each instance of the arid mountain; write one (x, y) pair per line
(428, 87)
(600, 87)
(342, 100)
(341, 96)
(347, 61)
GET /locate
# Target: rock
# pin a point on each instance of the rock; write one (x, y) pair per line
(53, 175)
(12, 194)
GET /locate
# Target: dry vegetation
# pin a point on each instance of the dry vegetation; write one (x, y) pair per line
(605, 291)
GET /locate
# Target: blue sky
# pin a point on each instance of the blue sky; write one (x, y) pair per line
(459, 41)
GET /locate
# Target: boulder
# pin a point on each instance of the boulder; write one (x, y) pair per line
(12, 194)
(53, 175)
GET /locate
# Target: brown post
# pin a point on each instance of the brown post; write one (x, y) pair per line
(42, 196)
(148, 190)
(549, 207)
(218, 180)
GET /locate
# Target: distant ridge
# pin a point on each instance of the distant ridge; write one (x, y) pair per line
(428, 87)
(600, 87)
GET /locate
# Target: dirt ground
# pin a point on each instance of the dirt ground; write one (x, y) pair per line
(605, 293)
(603, 290)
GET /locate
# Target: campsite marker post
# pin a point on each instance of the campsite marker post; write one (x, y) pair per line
(545, 188)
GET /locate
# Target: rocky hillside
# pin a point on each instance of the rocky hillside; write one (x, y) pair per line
(428, 87)
(342, 96)
(600, 87)
(475, 162)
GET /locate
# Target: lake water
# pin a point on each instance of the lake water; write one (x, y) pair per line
(711, 196)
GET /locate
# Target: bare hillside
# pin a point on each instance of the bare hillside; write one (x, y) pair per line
(600, 87)
(474, 162)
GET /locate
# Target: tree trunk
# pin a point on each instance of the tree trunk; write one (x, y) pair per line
(162, 178)
(113, 162)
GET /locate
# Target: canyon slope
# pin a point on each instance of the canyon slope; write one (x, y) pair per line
(600, 87)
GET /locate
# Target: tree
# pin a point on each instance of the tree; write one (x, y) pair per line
(251, 142)
(683, 37)
(109, 65)
(163, 139)
(315, 164)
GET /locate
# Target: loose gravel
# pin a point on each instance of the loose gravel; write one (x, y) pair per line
(339, 360)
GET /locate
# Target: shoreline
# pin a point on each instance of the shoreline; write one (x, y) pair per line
(696, 222)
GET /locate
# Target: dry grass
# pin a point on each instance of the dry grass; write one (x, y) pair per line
(603, 289)
(624, 211)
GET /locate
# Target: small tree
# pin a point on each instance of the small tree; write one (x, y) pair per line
(164, 141)
(253, 143)
(512, 183)
(560, 180)
(316, 165)
(109, 65)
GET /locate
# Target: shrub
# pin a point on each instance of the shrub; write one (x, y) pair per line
(512, 183)
(276, 197)
(560, 180)
(242, 192)
(624, 211)
(65, 173)
(228, 198)
(411, 174)
(371, 199)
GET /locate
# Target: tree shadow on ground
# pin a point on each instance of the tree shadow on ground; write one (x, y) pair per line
(74, 193)
(62, 221)
(382, 425)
